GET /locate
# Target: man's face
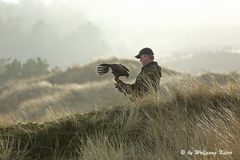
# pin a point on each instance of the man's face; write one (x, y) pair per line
(145, 59)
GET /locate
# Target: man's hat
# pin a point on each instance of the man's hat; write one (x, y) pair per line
(144, 51)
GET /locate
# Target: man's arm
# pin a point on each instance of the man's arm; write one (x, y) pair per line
(135, 88)
(125, 87)
(148, 79)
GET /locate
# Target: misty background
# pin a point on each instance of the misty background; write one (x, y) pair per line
(186, 35)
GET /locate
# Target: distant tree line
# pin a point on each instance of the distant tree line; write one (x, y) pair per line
(13, 69)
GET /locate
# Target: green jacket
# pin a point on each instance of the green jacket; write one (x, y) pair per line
(147, 81)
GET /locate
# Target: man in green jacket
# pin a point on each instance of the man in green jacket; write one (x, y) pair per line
(147, 81)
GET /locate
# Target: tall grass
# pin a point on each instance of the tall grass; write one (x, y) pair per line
(194, 116)
(66, 116)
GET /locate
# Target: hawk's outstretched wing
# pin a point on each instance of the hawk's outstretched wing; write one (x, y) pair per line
(117, 69)
(102, 69)
(125, 68)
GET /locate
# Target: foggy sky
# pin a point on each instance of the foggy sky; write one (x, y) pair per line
(75, 31)
(30, 29)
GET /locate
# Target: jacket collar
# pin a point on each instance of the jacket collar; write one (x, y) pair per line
(150, 63)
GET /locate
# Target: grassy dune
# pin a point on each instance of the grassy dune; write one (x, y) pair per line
(200, 118)
(196, 114)
(77, 89)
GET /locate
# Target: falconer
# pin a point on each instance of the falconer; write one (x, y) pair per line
(147, 81)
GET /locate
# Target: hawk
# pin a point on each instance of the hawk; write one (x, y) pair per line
(118, 70)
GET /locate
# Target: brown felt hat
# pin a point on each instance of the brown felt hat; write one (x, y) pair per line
(144, 51)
